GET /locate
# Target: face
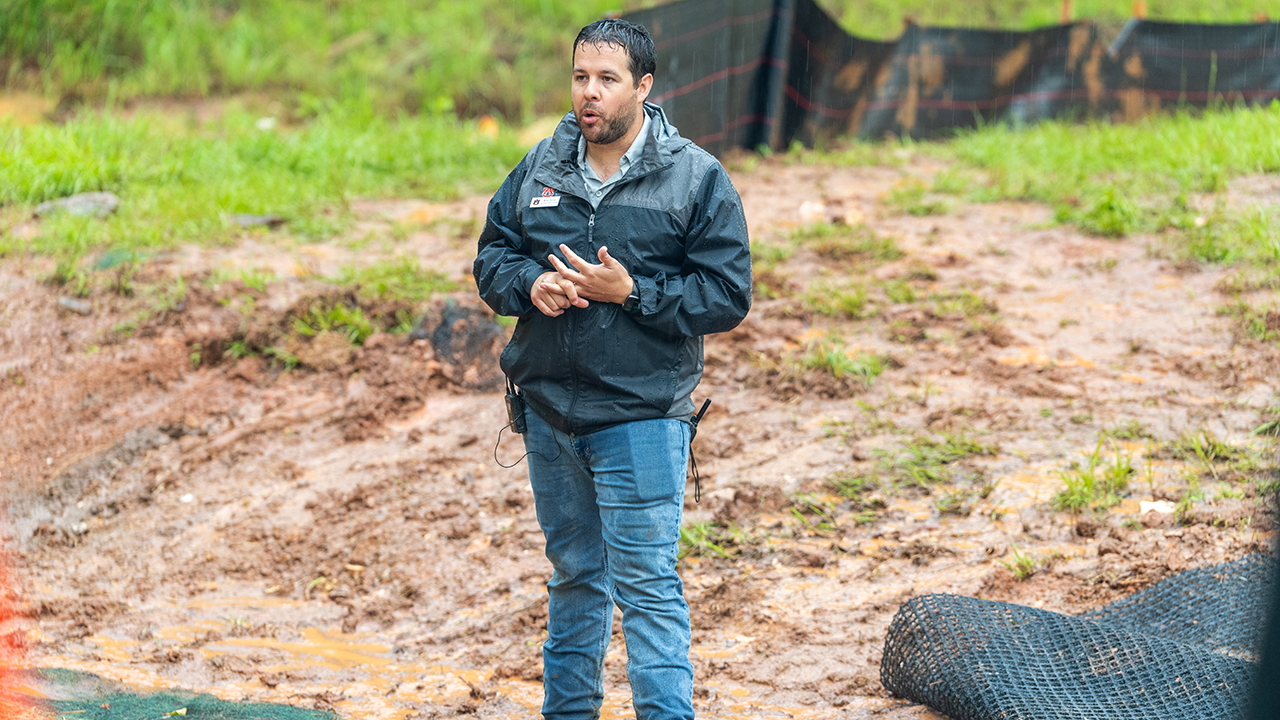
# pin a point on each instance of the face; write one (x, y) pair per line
(606, 102)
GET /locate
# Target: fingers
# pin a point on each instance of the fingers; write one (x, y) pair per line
(565, 271)
(564, 289)
(545, 306)
(578, 263)
(605, 258)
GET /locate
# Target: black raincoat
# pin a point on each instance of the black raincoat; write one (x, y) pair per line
(675, 223)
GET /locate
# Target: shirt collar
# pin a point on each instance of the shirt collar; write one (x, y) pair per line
(629, 158)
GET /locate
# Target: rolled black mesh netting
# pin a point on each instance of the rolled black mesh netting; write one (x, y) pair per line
(1183, 648)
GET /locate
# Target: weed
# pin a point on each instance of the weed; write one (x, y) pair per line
(1271, 426)
(349, 320)
(925, 460)
(842, 243)
(251, 278)
(852, 487)
(701, 539)
(908, 196)
(833, 359)
(959, 502)
(1254, 322)
(899, 291)
(281, 357)
(848, 300)
(964, 303)
(237, 349)
(1127, 430)
(1108, 214)
(1094, 484)
(1022, 566)
(399, 279)
(814, 512)
(1082, 418)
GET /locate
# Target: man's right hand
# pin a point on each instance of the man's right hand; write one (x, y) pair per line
(553, 294)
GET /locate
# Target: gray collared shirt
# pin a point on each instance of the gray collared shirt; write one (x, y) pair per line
(596, 188)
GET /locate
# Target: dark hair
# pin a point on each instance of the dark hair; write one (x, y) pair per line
(629, 36)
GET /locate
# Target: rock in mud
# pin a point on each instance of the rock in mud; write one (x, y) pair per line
(77, 306)
(92, 204)
(248, 221)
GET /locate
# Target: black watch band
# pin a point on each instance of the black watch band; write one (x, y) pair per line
(632, 303)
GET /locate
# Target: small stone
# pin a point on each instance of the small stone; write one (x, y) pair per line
(77, 306)
(812, 211)
(93, 204)
(1152, 519)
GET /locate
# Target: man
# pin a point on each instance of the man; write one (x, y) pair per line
(618, 244)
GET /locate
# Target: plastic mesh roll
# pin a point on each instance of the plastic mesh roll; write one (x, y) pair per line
(1182, 648)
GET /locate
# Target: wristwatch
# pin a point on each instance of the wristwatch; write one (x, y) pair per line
(632, 303)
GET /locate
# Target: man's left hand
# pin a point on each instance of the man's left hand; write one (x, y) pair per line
(606, 282)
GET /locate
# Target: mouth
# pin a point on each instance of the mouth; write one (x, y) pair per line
(589, 117)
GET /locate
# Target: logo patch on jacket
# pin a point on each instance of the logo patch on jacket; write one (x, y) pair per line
(549, 199)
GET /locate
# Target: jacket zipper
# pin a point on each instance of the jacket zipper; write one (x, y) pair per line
(573, 333)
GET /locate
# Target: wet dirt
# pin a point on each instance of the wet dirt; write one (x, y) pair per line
(339, 536)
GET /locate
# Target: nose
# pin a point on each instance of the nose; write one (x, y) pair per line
(592, 91)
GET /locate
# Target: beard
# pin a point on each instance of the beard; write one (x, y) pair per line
(609, 128)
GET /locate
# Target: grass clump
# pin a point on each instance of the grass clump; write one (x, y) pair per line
(843, 243)
(1128, 430)
(856, 490)
(400, 279)
(1258, 323)
(908, 197)
(831, 358)
(1095, 484)
(1021, 565)
(924, 461)
(848, 300)
(709, 539)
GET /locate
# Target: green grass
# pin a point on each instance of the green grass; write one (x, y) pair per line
(843, 243)
(1258, 323)
(178, 182)
(883, 18)
(925, 460)
(1113, 180)
(848, 300)
(399, 279)
(508, 57)
(907, 197)
(832, 358)
(1095, 484)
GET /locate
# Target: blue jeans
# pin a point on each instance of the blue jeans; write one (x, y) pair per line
(609, 504)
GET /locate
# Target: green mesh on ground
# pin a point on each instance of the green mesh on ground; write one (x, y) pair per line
(82, 696)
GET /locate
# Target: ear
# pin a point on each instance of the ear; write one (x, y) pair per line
(646, 84)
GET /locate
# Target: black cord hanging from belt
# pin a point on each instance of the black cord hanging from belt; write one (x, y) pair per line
(693, 462)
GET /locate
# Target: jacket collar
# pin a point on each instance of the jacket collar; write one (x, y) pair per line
(559, 168)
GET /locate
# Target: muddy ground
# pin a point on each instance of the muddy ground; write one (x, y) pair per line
(338, 535)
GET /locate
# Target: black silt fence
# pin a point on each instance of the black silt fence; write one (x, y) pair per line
(747, 73)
